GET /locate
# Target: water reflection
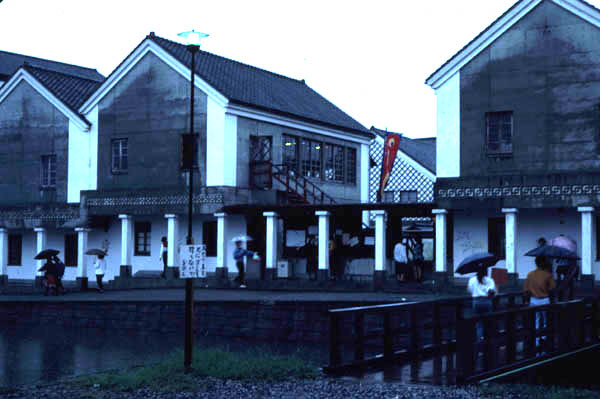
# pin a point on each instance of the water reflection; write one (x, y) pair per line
(45, 354)
(437, 370)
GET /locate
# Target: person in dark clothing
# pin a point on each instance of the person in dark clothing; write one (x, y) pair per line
(238, 254)
(60, 272)
(310, 253)
(50, 275)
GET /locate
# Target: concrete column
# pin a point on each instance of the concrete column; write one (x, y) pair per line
(82, 246)
(222, 271)
(41, 238)
(588, 243)
(380, 248)
(441, 246)
(271, 255)
(3, 256)
(510, 215)
(323, 238)
(126, 245)
(172, 240)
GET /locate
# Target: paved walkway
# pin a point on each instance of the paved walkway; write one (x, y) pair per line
(221, 295)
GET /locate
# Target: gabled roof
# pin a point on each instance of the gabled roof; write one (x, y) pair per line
(71, 90)
(420, 150)
(514, 14)
(11, 62)
(257, 88)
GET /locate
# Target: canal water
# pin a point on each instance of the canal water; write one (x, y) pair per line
(45, 354)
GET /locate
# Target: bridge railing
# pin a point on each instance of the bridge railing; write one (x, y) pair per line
(509, 338)
(365, 336)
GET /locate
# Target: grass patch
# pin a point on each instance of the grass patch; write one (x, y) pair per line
(168, 375)
(536, 391)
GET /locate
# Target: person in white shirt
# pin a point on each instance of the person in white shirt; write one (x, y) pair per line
(100, 267)
(482, 289)
(163, 255)
(401, 261)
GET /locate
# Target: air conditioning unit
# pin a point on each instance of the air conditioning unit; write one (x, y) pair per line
(283, 269)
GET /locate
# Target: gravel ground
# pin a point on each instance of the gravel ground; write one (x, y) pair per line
(215, 389)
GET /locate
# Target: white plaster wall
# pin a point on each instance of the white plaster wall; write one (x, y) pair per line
(221, 146)
(535, 223)
(229, 150)
(471, 234)
(83, 158)
(448, 128)
(215, 156)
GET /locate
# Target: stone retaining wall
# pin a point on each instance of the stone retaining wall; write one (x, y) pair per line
(284, 321)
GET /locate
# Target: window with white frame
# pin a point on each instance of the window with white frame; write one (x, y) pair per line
(48, 171)
(120, 155)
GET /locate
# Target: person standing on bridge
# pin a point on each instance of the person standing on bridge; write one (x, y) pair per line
(482, 289)
(538, 285)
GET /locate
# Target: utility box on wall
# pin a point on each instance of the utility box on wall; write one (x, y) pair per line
(283, 269)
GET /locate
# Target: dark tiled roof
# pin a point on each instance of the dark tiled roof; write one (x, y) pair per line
(421, 150)
(10, 62)
(71, 90)
(257, 88)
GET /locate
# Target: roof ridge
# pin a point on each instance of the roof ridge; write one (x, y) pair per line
(47, 60)
(29, 66)
(300, 81)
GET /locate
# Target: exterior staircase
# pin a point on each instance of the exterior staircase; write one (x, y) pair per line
(300, 190)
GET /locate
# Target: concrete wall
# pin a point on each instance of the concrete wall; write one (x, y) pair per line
(259, 320)
(31, 127)
(247, 127)
(149, 107)
(546, 69)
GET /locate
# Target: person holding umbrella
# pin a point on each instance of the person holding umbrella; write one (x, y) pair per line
(238, 254)
(481, 287)
(538, 286)
(100, 268)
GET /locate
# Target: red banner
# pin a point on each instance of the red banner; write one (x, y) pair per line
(390, 149)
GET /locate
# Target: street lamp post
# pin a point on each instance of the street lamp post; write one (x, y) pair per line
(191, 153)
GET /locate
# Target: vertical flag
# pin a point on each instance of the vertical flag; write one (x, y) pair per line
(390, 149)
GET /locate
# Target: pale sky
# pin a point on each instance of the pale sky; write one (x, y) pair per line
(370, 58)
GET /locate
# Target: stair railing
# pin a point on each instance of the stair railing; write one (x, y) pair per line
(300, 185)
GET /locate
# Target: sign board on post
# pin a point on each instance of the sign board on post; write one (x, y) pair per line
(193, 264)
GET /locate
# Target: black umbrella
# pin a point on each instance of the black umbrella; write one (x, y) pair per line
(47, 254)
(95, 251)
(552, 251)
(476, 262)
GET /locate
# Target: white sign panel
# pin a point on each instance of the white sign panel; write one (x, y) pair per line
(193, 261)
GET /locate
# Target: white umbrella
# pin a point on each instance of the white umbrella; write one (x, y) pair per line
(241, 238)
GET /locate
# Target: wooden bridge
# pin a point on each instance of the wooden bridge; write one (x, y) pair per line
(383, 335)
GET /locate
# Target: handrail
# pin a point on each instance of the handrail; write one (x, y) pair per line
(315, 191)
(438, 319)
(570, 325)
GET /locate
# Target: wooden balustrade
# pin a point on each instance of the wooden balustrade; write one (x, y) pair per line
(421, 331)
(570, 326)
